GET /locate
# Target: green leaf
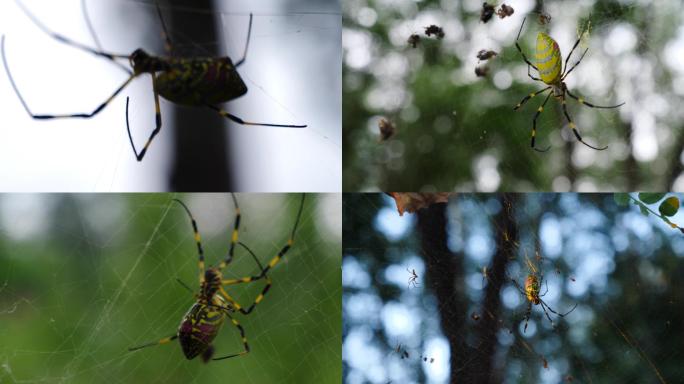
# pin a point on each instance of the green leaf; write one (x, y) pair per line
(651, 198)
(644, 210)
(669, 207)
(621, 199)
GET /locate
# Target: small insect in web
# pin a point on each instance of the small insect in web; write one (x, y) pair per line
(197, 81)
(214, 304)
(401, 350)
(505, 11)
(434, 30)
(532, 293)
(485, 54)
(413, 278)
(487, 12)
(413, 40)
(553, 74)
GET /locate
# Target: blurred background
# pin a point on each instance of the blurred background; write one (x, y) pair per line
(463, 320)
(292, 72)
(458, 131)
(83, 278)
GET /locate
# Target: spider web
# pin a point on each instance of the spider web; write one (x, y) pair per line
(85, 277)
(620, 267)
(95, 154)
(455, 131)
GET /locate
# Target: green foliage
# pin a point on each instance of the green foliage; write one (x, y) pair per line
(667, 207)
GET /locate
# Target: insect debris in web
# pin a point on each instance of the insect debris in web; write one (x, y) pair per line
(413, 278)
(434, 30)
(487, 12)
(413, 40)
(485, 54)
(505, 11)
(192, 81)
(387, 129)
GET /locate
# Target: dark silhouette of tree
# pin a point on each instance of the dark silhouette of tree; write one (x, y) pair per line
(200, 158)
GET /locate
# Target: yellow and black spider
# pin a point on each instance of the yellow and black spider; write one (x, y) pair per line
(192, 81)
(552, 73)
(204, 319)
(532, 290)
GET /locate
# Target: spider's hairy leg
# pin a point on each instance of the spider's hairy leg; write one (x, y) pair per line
(534, 125)
(234, 235)
(528, 97)
(573, 66)
(289, 243)
(544, 307)
(249, 35)
(574, 127)
(520, 49)
(168, 46)
(67, 41)
(154, 343)
(242, 336)
(238, 120)
(564, 314)
(588, 104)
(198, 240)
(157, 121)
(528, 312)
(45, 117)
(248, 279)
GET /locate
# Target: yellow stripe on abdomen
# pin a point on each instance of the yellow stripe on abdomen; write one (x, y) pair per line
(548, 59)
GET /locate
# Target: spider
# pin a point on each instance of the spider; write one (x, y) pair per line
(413, 278)
(213, 305)
(532, 293)
(196, 82)
(548, 59)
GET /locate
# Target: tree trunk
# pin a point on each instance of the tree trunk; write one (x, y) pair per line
(200, 159)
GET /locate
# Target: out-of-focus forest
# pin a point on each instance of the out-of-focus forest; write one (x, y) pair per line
(457, 131)
(85, 277)
(429, 297)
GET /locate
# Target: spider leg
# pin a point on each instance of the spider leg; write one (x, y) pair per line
(242, 336)
(528, 312)
(234, 236)
(264, 270)
(158, 122)
(181, 282)
(45, 117)
(67, 41)
(168, 46)
(590, 105)
(534, 125)
(564, 314)
(573, 66)
(240, 121)
(289, 243)
(519, 288)
(528, 97)
(532, 77)
(544, 306)
(154, 343)
(84, 7)
(249, 279)
(249, 35)
(546, 282)
(198, 240)
(520, 49)
(574, 127)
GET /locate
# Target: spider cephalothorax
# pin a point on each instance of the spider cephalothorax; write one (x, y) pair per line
(214, 304)
(553, 73)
